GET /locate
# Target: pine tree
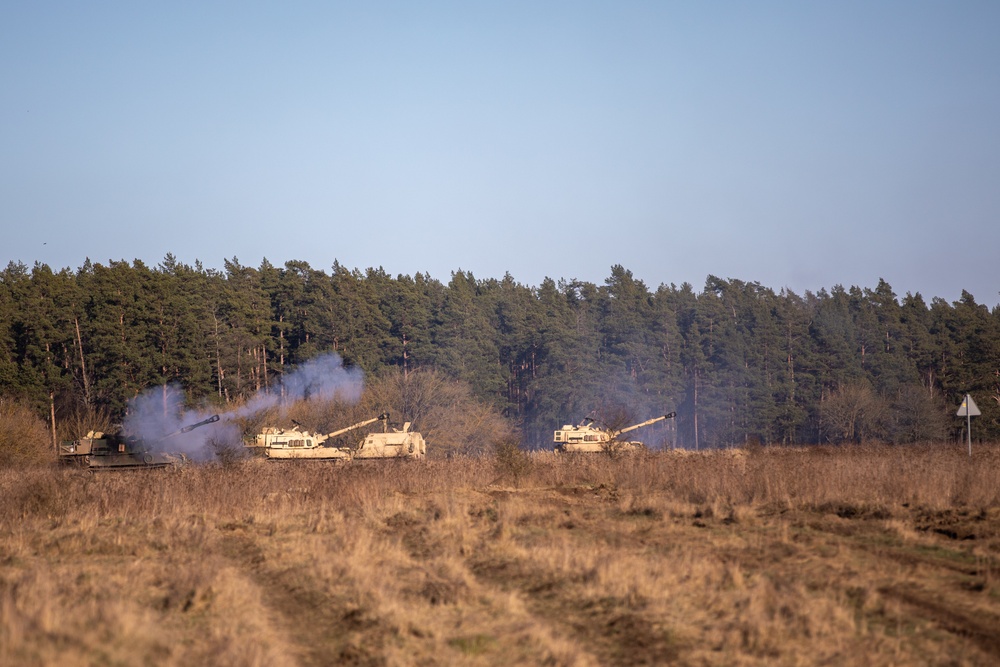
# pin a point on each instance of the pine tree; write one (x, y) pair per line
(407, 306)
(795, 389)
(466, 338)
(628, 354)
(245, 319)
(42, 339)
(177, 333)
(116, 334)
(8, 311)
(516, 314)
(550, 399)
(362, 332)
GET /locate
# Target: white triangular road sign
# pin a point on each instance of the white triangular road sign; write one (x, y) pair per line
(968, 408)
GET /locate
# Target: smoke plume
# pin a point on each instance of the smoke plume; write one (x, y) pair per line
(157, 415)
(322, 378)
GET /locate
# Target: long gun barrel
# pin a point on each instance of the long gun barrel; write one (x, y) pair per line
(648, 422)
(210, 420)
(383, 416)
(191, 427)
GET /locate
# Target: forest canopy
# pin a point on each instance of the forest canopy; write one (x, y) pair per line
(739, 363)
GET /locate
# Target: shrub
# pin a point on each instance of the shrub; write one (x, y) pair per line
(510, 462)
(24, 438)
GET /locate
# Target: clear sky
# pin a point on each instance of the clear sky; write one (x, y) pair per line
(796, 144)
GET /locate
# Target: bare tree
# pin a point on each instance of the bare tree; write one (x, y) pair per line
(855, 413)
(443, 409)
(613, 418)
(918, 416)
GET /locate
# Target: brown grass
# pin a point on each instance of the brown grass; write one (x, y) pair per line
(875, 555)
(24, 438)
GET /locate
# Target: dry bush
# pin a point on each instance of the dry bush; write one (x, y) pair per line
(855, 413)
(444, 410)
(83, 420)
(614, 416)
(321, 415)
(24, 438)
(511, 463)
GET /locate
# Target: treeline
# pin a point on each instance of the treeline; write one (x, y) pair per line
(738, 362)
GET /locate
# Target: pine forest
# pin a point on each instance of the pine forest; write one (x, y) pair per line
(740, 363)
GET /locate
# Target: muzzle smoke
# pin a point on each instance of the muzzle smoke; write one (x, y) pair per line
(157, 415)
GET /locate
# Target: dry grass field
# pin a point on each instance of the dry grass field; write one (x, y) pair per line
(839, 556)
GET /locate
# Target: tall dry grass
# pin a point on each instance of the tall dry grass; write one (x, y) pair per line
(24, 438)
(565, 560)
(933, 475)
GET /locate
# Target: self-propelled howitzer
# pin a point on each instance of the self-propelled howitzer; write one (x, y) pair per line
(588, 437)
(111, 451)
(283, 444)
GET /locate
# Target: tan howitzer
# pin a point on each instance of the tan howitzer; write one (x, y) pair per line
(294, 444)
(588, 438)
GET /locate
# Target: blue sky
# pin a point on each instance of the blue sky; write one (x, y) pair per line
(796, 144)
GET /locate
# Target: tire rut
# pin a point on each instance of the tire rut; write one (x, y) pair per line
(322, 628)
(981, 630)
(611, 632)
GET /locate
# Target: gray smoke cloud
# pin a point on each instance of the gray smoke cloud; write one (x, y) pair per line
(157, 415)
(322, 378)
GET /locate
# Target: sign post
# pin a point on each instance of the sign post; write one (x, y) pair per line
(968, 409)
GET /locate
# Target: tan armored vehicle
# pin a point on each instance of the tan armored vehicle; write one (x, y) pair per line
(295, 444)
(291, 439)
(402, 443)
(282, 444)
(77, 452)
(272, 435)
(587, 437)
(105, 451)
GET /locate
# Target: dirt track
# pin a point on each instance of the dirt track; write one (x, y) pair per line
(903, 589)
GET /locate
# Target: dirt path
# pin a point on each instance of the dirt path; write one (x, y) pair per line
(984, 630)
(324, 629)
(930, 580)
(939, 580)
(613, 631)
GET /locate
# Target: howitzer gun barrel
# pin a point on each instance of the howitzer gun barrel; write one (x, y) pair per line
(191, 427)
(669, 415)
(210, 420)
(382, 417)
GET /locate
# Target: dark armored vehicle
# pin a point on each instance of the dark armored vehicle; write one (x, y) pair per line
(105, 451)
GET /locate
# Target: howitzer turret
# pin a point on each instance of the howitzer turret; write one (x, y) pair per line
(588, 437)
(392, 444)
